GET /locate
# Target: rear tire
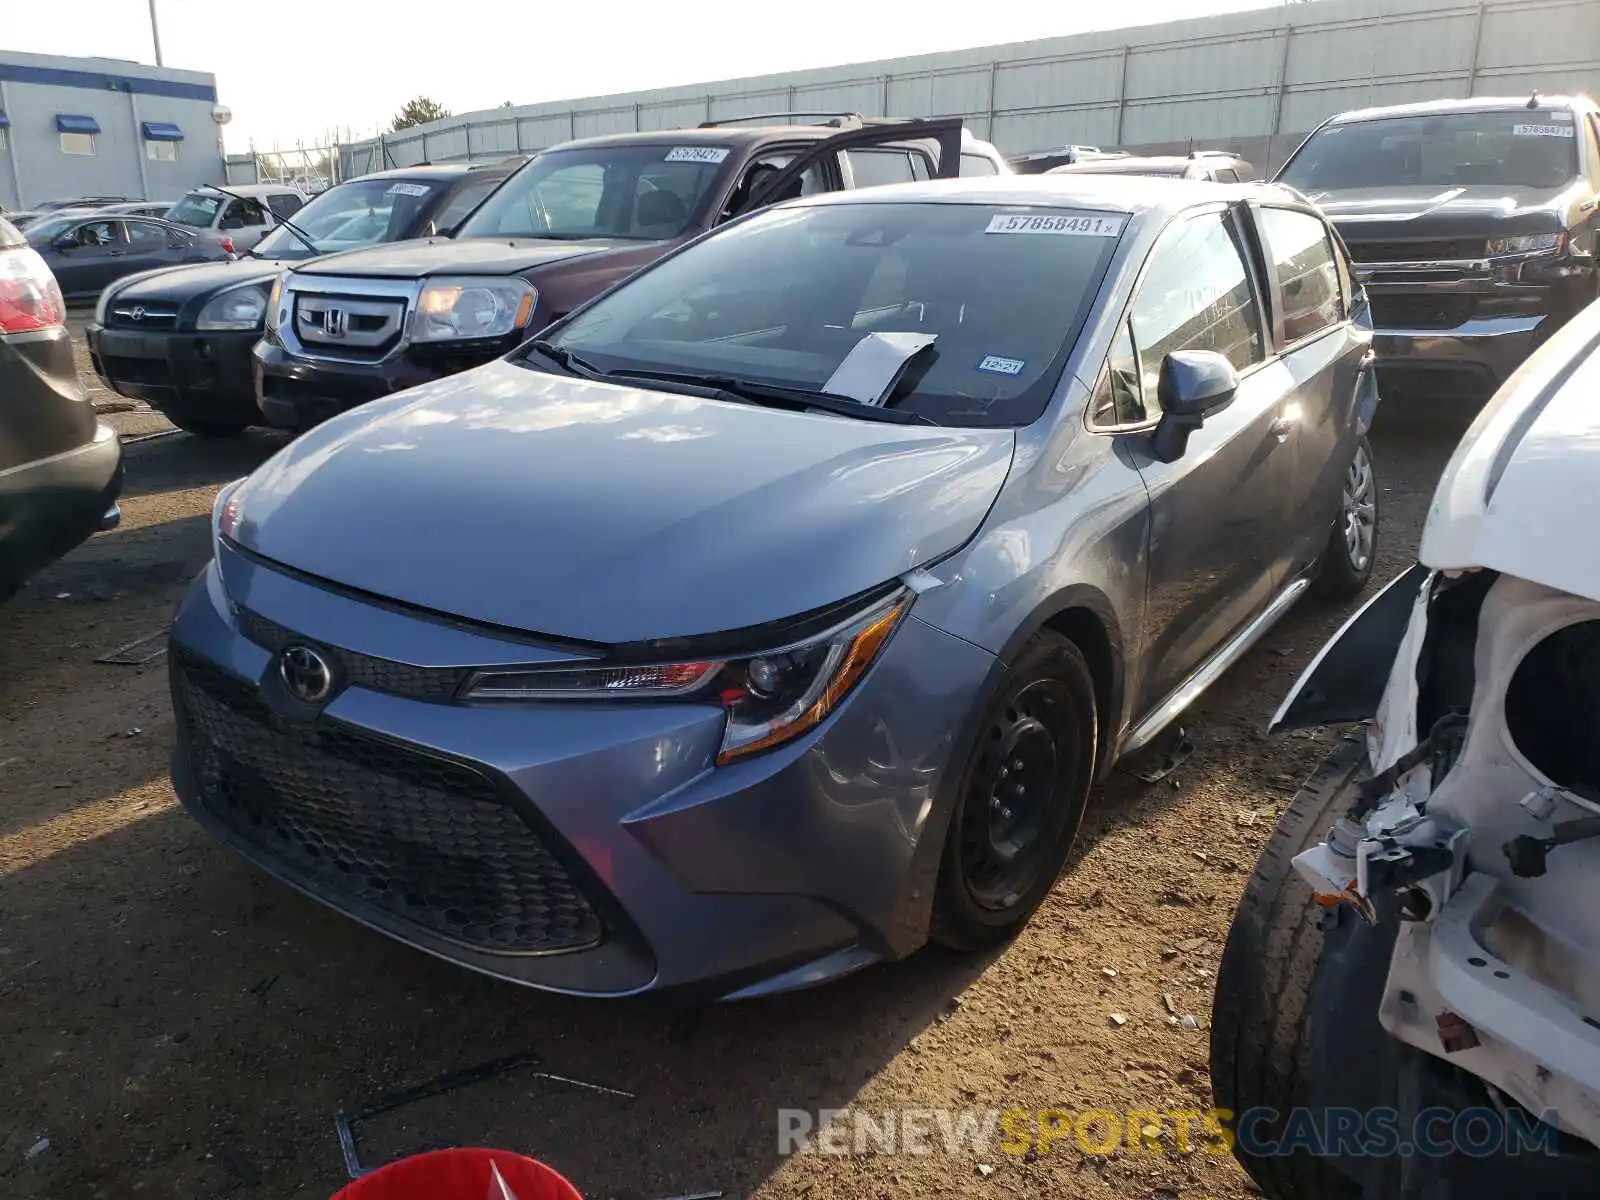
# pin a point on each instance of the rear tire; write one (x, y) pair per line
(1021, 798)
(209, 427)
(1347, 559)
(1261, 1012)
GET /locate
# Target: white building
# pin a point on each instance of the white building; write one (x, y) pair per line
(100, 126)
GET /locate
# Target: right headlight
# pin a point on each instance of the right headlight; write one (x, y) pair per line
(240, 307)
(471, 307)
(770, 698)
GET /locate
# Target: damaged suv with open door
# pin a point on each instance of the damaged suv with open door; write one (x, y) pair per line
(583, 215)
(1409, 1001)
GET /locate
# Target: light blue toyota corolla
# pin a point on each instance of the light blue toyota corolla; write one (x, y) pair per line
(776, 612)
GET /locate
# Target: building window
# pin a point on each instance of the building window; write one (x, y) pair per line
(2, 139)
(161, 151)
(78, 143)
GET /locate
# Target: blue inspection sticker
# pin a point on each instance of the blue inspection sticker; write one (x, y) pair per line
(996, 365)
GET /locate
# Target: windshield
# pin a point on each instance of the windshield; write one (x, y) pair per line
(644, 192)
(1516, 148)
(196, 209)
(362, 212)
(782, 298)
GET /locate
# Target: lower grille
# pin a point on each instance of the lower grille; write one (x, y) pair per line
(1419, 311)
(152, 372)
(1436, 250)
(428, 841)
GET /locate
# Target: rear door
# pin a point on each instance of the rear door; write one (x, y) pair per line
(149, 245)
(1328, 364)
(944, 132)
(1220, 514)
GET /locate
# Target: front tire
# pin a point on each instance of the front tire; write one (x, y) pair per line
(1022, 796)
(1261, 1012)
(1347, 559)
(208, 427)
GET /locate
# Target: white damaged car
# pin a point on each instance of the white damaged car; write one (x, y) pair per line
(1409, 1001)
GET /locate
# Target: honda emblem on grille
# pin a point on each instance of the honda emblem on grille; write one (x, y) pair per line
(305, 673)
(335, 322)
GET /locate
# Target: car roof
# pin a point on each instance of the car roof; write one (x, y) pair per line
(718, 135)
(1132, 194)
(424, 171)
(1517, 494)
(248, 189)
(1428, 108)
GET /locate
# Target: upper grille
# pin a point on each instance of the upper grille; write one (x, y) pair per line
(359, 326)
(431, 842)
(129, 315)
(437, 685)
(1434, 250)
(1419, 311)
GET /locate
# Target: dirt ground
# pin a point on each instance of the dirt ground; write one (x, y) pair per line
(173, 1025)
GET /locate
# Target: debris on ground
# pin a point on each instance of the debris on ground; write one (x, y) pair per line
(1119, 1019)
(35, 1150)
(1188, 1021)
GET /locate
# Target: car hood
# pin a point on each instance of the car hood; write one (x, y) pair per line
(1418, 211)
(456, 256)
(610, 514)
(1516, 495)
(175, 285)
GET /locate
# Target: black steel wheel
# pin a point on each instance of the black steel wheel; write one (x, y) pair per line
(1021, 798)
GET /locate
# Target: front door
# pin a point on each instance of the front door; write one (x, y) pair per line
(91, 258)
(1220, 514)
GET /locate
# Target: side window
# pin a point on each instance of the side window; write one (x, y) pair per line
(146, 237)
(977, 164)
(1117, 397)
(876, 166)
(812, 180)
(1227, 175)
(96, 233)
(1196, 295)
(242, 213)
(285, 204)
(1307, 273)
(466, 198)
(1594, 148)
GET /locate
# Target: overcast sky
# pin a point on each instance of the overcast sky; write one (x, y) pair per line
(296, 69)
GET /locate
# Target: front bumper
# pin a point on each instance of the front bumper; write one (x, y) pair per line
(50, 505)
(589, 849)
(189, 375)
(296, 392)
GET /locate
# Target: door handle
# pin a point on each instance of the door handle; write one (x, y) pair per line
(115, 253)
(1281, 429)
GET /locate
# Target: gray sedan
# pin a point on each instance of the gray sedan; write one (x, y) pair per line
(776, 612)
(86, 251)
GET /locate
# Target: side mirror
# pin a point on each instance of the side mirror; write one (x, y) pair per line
(1194, 385)
(63, 242)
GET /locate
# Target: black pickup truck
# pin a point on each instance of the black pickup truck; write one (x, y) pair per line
(1472, 224)
(583, 215)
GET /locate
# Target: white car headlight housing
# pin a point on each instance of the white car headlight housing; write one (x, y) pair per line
(770, 698)
(242, 307)
(470, 307)
(1527, 243)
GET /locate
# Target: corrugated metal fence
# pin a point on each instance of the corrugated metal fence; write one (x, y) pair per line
(1255, 81)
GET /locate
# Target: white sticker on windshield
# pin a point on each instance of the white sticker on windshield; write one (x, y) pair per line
(1560, 114)
(996, 365)
(1078, 226)
(699, 154)
(407, 189)
(1542, 131)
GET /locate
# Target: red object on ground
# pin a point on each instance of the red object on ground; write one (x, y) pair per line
(460, 1175)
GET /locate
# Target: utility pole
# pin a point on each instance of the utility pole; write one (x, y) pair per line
(155, 31)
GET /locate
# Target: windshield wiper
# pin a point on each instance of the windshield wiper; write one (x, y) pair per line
(727, 387)
(282, 220)
(566, 359)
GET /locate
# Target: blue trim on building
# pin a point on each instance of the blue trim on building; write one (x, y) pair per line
(69, 123)
(5, 121)
(160, 131)
(101, 82)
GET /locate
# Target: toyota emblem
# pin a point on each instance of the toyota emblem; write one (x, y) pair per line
(306, 674)
(138, 312)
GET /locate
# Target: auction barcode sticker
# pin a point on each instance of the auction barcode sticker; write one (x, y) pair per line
(1072, 226)
(699, 154)
(1542, 131)
(407, 189)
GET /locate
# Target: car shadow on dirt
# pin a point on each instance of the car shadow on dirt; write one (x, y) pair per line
(183, 460)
